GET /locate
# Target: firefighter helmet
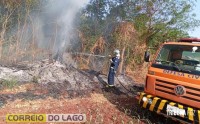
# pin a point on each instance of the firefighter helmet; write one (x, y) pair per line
(117, 52)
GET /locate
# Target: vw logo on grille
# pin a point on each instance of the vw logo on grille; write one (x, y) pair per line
(179, 90)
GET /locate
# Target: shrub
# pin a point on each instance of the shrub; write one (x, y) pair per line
(10, 83)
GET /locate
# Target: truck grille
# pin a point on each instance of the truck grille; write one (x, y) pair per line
(168, 88)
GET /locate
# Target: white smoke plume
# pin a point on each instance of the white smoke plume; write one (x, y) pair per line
(56, 24)
(35, 31)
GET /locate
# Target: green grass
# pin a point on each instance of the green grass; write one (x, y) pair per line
(11, 83)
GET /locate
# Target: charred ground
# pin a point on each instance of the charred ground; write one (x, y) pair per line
(57, 88)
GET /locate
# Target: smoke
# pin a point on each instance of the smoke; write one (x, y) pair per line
(32, 29)
(56, 28)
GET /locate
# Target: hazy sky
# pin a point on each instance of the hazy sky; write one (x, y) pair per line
(196, 32)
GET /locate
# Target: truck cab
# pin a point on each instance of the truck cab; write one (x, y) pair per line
(172, 86)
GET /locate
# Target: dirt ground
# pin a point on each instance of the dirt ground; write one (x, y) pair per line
(99, 107)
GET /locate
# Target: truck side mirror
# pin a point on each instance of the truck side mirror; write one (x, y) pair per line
(147, 56)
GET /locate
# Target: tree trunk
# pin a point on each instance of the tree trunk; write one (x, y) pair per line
(122, 60)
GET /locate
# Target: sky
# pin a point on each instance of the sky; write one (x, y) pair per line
(196, 32)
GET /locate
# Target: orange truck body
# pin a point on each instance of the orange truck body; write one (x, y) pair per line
(162, 86)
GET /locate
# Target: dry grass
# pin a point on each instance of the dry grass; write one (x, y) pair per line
(99, 108)
(139, 73)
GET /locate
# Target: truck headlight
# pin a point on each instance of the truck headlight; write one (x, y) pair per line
(144, 99)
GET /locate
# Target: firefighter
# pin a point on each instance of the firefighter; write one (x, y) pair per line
(113, 67)
(176, 55)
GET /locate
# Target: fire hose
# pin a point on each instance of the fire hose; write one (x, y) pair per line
(103, 56)
(88, 54)
(129, 91)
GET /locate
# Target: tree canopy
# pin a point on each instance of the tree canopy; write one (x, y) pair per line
(155, 21)
(102, 25)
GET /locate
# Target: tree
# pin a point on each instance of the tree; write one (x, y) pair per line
(14, 16)
(162, 20)
(153, 21)
(125, 37)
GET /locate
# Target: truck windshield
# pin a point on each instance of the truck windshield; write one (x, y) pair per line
(182, 58)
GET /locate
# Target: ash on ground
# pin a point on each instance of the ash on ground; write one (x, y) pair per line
(61, 80)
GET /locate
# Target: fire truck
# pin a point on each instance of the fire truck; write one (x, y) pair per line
(172, 86)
